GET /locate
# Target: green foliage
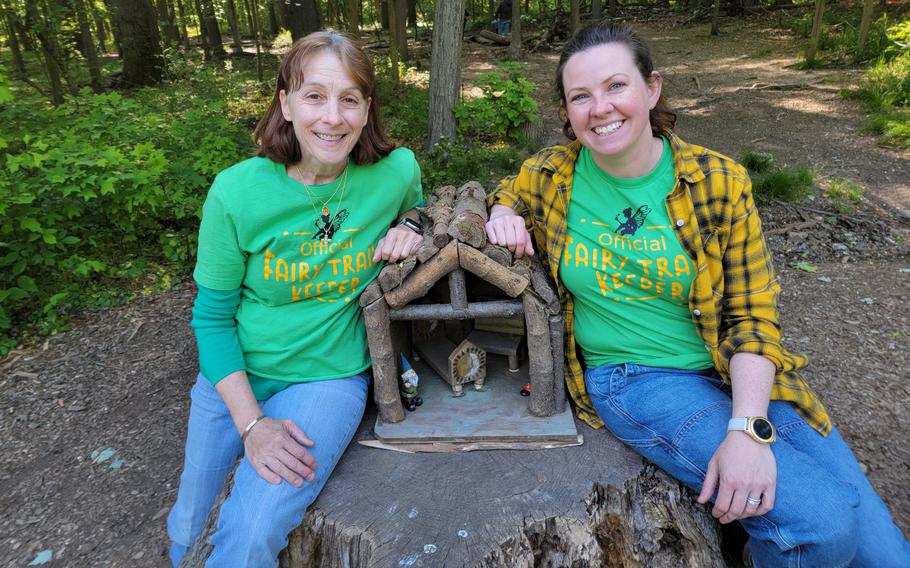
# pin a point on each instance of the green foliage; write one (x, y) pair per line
(102, 189)
(505, 105)
(771, 180)
(839, 36)
(6, 95)
(457, 163)
(283, 40)
(844, 195)
(886, 89)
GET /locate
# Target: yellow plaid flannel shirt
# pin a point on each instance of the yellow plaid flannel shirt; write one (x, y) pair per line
(733, 299)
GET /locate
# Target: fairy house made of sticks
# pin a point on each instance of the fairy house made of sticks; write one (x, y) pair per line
(455, 242)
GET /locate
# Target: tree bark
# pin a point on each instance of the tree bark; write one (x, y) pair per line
(352, 15)
(575, 15)
(88, 46)
(596, 504)
(715, 19)
(812, 50)
(595, 10)
(868, 6)
(274, 27)
(477, 263)
(184, 35)
(203, 39)
(237, 46)
(396, 31)
(9, 18)
(445, 72)
(212, 31)
(304, 18)
(515, 46)
(142, 59)
(99, 26)
(47, 37)
(385, 361)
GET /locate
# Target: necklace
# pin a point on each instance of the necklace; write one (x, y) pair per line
(325, 221)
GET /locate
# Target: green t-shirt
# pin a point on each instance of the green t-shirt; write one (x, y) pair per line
(627, 271)
(299, 318)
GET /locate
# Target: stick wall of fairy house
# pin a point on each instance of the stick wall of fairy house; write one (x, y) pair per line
(455, 242)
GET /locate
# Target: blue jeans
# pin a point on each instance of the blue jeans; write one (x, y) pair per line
(503, 27)
(255, 519)
(825, 511)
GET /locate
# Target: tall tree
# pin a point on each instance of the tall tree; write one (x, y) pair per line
(10, 21)
(143, 63)
(184, 34)
(398, 34)
(212, 32)
(352, 15)
(864, 28)
(38, 18)
(304, 18)
(816, 31)
(88, 45)
(99, 26)
(274, 27)
(715, 19)
(203, 39)
(595, 10)
(235, 29)
(515, 44)
(575, 15)
(445, 71)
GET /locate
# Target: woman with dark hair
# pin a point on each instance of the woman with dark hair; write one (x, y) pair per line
(288, 241)
(667, 289)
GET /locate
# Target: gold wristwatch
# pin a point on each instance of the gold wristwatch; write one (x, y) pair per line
(758, 428)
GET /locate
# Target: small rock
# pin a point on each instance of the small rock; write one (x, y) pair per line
(864, 467)
(840, 247)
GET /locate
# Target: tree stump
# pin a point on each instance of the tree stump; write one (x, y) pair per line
(597, 504)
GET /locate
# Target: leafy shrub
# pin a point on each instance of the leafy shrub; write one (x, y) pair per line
(772, 181)
(844, 195)
(283, 40)
(505, 105)
(886, 89)
(94, 191)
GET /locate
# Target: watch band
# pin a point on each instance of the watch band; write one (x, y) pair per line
(411, 224)
(765, 433)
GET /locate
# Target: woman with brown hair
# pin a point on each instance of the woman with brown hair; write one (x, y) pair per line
(288, 241)
(670, 304)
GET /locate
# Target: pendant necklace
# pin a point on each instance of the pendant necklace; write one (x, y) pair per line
(325, 221)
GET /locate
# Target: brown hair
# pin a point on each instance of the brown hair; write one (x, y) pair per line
(661, 117)
(274, 136)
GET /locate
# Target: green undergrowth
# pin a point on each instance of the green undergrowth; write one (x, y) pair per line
(885, 92)
(100, 197)
(774, 181)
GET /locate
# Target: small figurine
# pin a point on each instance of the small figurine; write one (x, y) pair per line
(409, 382)
(526, 390)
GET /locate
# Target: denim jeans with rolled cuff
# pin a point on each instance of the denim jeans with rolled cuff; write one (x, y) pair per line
(825, 511)
(255, 520)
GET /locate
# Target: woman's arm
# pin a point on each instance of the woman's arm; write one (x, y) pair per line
(276, 449)
(742, 467)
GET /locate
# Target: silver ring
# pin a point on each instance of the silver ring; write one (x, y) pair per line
(753, 501)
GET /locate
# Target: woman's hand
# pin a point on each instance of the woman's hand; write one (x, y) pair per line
(397, 244)
(507, 229)
(277, 449)
(743, 468)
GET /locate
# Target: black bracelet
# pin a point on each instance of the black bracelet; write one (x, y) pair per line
(411, 224)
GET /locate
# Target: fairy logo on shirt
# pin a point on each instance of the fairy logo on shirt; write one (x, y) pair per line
(631, 223)
(329, 224)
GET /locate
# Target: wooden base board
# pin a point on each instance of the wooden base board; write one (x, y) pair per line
(498, 413)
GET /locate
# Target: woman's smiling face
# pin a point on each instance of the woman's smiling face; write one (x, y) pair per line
(328, 111)
(608, 103)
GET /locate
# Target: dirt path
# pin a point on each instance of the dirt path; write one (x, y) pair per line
(120, 378)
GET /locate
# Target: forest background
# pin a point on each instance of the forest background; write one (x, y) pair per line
(117, 114)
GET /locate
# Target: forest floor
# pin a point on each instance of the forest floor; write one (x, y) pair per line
(119, 380)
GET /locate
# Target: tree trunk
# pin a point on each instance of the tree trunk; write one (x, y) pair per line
(595, 10)
(9, 18)
(412, 16)
(237, 46)
(304, 18)
(274, 28)
(99, 27)
(203, 39)
(515, 46)
(575, 15)
(88, 46)
(812, 49)
(352, 15)
(250, 14)
(868, 5)
(715, 19)
(384, 14)
(394, 40)
(445, 72)
(115, 29)
(184, 35)
(212, 31)
(142, 59)
(596, 504)
(46, 33)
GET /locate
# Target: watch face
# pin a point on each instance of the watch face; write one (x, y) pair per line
(762, 428)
